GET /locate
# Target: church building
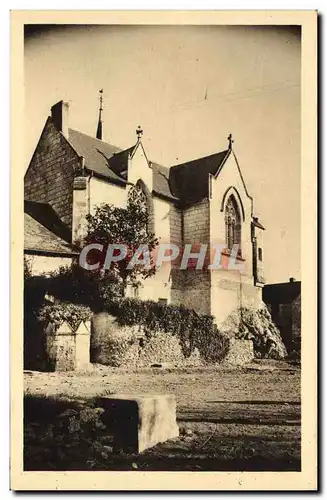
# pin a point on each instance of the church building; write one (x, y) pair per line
(202, 201)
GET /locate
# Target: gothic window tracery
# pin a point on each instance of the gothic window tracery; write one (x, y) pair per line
(140, 196)
(232, 223)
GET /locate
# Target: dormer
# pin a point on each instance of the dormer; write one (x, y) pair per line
(139, 167)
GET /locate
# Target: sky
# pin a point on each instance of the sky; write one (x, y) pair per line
(188, 87)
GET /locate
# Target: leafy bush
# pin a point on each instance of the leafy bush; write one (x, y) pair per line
(75, 284)
(193, 331)
(59, 312)
(116, 346)
(129, 226)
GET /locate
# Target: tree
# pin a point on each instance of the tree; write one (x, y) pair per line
(129, 226)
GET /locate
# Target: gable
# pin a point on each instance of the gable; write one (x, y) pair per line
(49, 177)
(139, 167)
(229, 180)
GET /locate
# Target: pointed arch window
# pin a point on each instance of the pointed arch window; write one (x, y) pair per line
(140, 195)
(232, 224)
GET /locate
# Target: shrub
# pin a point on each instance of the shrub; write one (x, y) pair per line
(59, 312)
(193, 331)
(75, 284)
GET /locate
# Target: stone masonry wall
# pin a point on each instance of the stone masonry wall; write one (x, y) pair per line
(175, 222)
(176, 238)
(49, 178)
(196, 228)
(197, 293)
(197, 223)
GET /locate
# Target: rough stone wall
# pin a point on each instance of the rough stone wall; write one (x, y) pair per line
(296, 318)
(49, 178)
(240, 352)
(61, 352)
(116, 345)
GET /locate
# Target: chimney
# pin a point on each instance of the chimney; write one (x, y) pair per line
(292, 280)
(59, 115)
(80, 207)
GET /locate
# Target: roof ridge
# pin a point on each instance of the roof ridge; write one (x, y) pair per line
(96, 139)
(200, 158)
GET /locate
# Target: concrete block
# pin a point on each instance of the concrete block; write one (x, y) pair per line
(142, 421)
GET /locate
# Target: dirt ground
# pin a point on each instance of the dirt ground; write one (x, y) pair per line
(229, 418)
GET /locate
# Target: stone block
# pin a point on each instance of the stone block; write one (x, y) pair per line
(140, 422)
(82, 346)
(68, 350)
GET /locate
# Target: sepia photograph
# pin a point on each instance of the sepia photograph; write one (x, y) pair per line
(162, 244)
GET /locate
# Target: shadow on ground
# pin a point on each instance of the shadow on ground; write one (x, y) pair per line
(69, 434)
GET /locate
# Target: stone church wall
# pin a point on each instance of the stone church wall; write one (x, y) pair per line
(102, 191)
(196, 223)
(229, 291)
(197, 294)
(49, 178)
(175, 223)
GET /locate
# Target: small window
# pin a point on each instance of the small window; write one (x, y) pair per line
(260, 254)
(163, 302)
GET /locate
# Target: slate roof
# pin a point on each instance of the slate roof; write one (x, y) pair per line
(185, 183)
(281, 293)
(48, 217)
(190, 180)
(38, 237)
(162, 181)
(100, 157)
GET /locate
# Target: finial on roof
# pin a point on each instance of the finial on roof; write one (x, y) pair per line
(139, 132)
(99, 128)
(230, 141)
